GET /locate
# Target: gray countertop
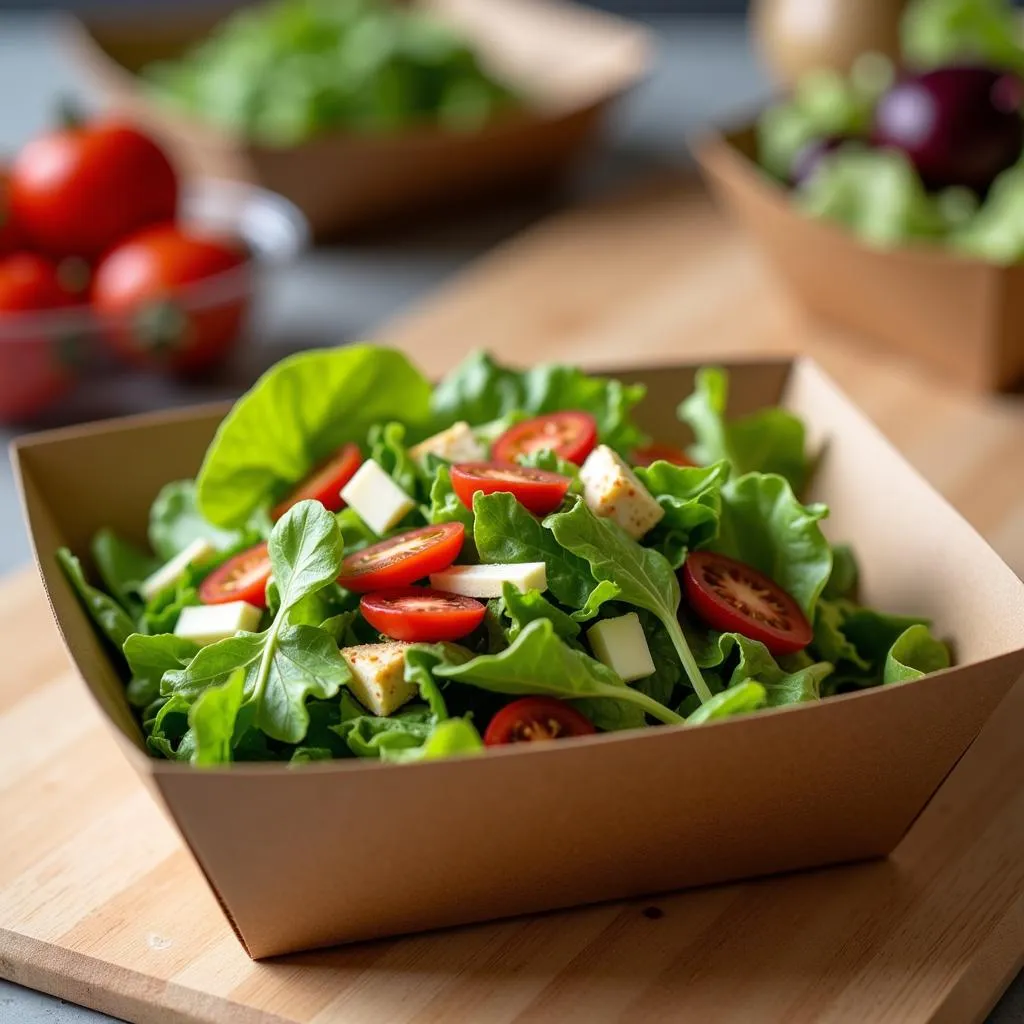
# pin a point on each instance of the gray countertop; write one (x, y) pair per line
(703, 71)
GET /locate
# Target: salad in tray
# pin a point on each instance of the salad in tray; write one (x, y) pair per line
(368, 566)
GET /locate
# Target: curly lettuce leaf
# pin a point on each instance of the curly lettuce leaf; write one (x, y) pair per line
(522, 609)
(764, 525)
(768, 441)
(914, 654)
(295, 416)
(454, 737)
(175, 522)
(480, 390)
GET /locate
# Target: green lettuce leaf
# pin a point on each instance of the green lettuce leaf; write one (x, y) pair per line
(445, 505)
(634, 574)
(149, 657)
(388, 450)
(212, 719)
(914, 654)
(367, 735)
(768, 441)
(740, 699)
(167, 731)
(295, 416)
(764, 525)
(522, 609)
(113, 621)
(830, 640)
(175, 522)
(935, 33)
(454, 737)
(481, 390)
(538, 662)
(123, 569)
(691, 499)
(843, 581)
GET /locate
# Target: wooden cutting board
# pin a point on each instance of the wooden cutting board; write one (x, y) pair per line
(101, 904)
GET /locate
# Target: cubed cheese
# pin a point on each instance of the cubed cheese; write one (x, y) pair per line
(620, 643)
(612, 489)
(456, 444)
(206, 624)
(377, 499)
(486, 580)
(168, 575)
(378, 676)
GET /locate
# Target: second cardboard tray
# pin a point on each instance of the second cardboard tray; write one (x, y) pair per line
(391, 849)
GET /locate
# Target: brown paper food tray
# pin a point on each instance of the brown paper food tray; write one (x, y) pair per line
(963, 318)
(351, 850)
(567, 61)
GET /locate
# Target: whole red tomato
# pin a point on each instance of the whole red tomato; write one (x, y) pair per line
(10, 236)
(78, 191)
(32, 373)
(153, 318)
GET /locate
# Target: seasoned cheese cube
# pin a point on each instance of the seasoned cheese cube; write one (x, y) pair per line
(206, 624)
(377, 499)
(456, 444)
(378, 676)
(487, 580)
(168, 575)
(620, 643)
(611, 489)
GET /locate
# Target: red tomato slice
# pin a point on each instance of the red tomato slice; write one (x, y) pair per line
(736, 598)
(241, 578)
(404, 559)
(421, 615)
(535, 720)
(537, 490)
(657, 452)
(572, 435)
(326, 483)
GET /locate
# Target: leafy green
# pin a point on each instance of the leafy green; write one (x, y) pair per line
(538, 662)
(123, 569)
(160, 614)
(764, 525)
(296, 415)
(874, 633)
(149, 657)
(546, 459)
(167, 733)
(691, 499)
(388, 450)
(451, 738)
(914, 654)
(113, 621)
(830, 640)
(996, 233)
(212, 718)
(768, 441)
(522, 609)
(480, 390)
(354, 532)
(445, 505)
(369, 736)
(935, 33)
(634, 574)
(842, 583)
(175, 522)
(420, 662)
(284, 665)
(740, 699)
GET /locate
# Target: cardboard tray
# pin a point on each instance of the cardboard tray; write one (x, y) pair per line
(962, 318)
(568, 62)
(350, 850)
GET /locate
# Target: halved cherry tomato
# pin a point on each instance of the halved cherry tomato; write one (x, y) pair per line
(658, 452)
(326, 483)
(404, 559)
(571, 435)
(421, 615)
(241, 578)
(736, 598)
(534, 720)
(536, 490)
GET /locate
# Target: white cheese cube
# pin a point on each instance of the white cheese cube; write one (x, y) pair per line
(621, 645)
(377, 499)
(208, 623)
(486, 580)
(611, 489)
(378, 676)
(168, 575)
(456, 444)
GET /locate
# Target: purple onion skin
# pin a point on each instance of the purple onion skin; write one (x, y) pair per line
(810, 157)
(957, 125)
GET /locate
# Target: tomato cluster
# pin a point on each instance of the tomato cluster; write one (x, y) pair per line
(88, 218)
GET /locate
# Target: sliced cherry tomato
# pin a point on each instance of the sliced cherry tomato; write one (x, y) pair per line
(241, 578)
(421, 615)
(326, 483)
(537, 490)
(148, 289)
(404, 559)
(571, 435)
(534, 720)
(736, 598)
(657, 452)
(78, 191)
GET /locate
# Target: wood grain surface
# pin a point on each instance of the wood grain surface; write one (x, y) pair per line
(101, 904)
